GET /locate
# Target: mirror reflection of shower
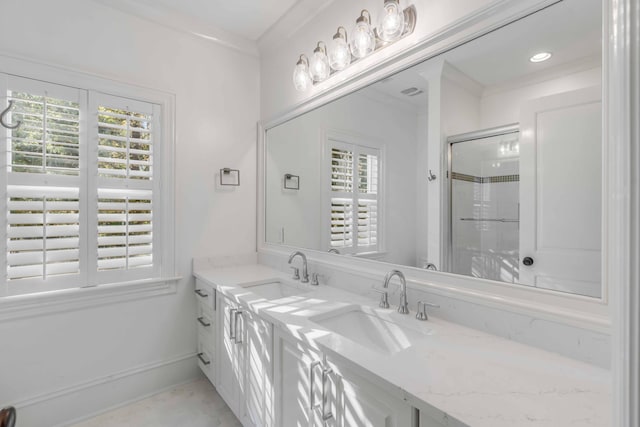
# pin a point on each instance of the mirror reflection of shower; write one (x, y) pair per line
(484, 203)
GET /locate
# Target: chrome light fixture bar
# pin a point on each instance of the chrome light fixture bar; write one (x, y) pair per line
(393, 24)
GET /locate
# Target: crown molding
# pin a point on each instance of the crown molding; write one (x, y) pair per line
(290, 23)
(167, 17)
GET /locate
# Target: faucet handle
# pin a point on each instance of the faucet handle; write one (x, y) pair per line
(384, 298)
(296, 273)
(315, 279)
(422, 314)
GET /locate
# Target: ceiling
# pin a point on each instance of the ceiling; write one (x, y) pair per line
(571, 30)
(249, 19)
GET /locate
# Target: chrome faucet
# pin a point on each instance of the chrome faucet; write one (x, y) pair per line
(305, 273)
(403, 307)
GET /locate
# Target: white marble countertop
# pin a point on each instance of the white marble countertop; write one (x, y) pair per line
(457, 375)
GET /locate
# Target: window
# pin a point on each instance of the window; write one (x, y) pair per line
(82, 186)
(354, 178)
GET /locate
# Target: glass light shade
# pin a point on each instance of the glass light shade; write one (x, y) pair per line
(339, 54)
(301, 77)
(391, 23)
(319, 65)
(362, 39)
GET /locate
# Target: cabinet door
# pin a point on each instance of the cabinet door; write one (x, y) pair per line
(294, 364)
(362, 404)
(229, 371)
(258, 369)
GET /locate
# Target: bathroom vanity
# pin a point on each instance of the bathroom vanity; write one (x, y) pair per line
(284, 353)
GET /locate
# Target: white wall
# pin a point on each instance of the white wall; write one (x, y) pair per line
(43, 359)
(296, 147)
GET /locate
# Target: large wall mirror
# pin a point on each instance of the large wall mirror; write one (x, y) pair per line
(484, 161)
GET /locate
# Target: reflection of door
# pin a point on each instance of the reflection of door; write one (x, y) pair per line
(560, 192)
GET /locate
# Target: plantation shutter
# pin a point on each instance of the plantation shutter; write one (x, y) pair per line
(354, 182)
(81, 188)
(43, 186)
(126, 188)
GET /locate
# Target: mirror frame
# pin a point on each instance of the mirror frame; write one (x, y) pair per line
(575, 310)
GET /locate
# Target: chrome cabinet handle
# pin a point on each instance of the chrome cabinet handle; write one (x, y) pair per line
(203, 323)
(325, 376)
(203, 360)
(231, 329)
(312, 404)
(215, 300)
(237, 314)
(201, 294)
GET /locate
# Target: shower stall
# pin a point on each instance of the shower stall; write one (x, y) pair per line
(484, 195)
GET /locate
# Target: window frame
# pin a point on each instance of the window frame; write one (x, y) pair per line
(163, 277)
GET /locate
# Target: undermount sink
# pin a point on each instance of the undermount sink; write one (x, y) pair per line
(275, 290)
(369, 329)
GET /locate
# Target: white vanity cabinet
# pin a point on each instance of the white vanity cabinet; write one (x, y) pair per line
(314, 390)
(206, 325)
(360, 403)
(244, 364)
(297, 387)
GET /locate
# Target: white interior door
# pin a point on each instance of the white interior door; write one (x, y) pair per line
(560, 192)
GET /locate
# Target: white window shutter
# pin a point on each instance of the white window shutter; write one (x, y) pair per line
(124, 217)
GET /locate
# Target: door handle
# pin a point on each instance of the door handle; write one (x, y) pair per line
(238, 313)
(231, 329)
(203, 360)
(201, 294)
(326, 416)
(203, 323)
(528, 261)
(312, 404)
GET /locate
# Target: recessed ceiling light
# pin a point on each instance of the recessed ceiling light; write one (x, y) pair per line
(539, 57)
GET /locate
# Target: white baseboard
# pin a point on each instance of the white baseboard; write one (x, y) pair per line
(77, 402)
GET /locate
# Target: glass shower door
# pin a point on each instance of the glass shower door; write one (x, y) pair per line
(485, 206)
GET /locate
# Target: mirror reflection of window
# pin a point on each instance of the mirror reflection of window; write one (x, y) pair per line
(353, 197)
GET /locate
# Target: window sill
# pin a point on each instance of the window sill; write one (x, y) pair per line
(20, 306)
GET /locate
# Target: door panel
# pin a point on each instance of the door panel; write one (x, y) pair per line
(293, 374)
(560, 183)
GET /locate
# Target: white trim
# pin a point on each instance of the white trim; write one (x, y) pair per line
(621, 222)
(170, 18)
(45, 303)
(42, 397)
(583, 312)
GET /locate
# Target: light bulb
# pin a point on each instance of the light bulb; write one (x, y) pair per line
(362, 40)
(391, 24)
(319, 64)
(301, 77)
(339, 54)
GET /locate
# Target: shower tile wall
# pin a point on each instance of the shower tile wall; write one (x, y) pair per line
(490, 190)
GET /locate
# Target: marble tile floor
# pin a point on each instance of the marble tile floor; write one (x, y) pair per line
(195, 404)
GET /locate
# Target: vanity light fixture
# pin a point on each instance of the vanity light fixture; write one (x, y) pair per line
(319, 64)
(394, 24)
(363, 41)
(301, 76)
(391, 22)
(540, 57)
(339, 54)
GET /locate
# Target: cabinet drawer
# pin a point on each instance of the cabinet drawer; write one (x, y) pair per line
(206, 322)
(206, 294)
(205, 361)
